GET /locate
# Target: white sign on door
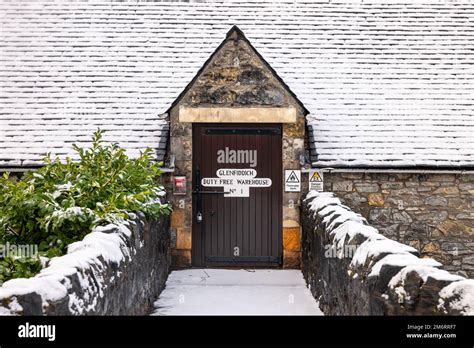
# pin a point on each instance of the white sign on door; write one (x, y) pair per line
(292, 180)
(316, 181)
(236, 182)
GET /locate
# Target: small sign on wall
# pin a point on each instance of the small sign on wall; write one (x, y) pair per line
(179, 185)
(316, 181)
(292, 180)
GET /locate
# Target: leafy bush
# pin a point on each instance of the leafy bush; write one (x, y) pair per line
(23, 267)
(63, 201)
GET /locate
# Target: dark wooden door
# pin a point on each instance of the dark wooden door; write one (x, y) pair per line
(237, 214)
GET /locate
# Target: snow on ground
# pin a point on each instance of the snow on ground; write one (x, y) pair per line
(236, 292)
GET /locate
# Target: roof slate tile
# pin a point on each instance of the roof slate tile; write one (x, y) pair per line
(387, 83)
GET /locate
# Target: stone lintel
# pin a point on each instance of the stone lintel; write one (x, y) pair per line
(238, 114)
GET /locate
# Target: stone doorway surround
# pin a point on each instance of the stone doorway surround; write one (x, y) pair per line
(235, 85)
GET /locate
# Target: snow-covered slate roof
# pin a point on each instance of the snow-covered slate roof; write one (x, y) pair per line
(388, 83)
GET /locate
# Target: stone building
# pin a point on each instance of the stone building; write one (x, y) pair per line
(244, 100)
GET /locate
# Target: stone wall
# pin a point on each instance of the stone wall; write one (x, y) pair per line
(354, 270)
(114, 270)
(181, 147)
(235, 77)
(434, 213)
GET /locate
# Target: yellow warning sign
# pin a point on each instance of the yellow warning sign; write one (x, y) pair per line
(316, 177)
(316, 181)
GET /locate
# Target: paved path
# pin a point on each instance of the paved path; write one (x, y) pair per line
(236, 292)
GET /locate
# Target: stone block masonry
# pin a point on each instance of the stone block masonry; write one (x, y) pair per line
(354, 270)
(433, 213)
(115, 270)
(235, 86)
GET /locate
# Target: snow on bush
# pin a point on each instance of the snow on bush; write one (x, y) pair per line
(61, 202)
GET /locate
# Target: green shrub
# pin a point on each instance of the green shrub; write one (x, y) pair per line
(23, 267)
(63, 201)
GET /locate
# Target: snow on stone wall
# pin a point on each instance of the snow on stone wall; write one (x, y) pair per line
(354, 270)
(114, 270)
(432, 212)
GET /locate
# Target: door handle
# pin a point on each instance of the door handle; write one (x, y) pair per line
(198, 192)
(197, 189)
